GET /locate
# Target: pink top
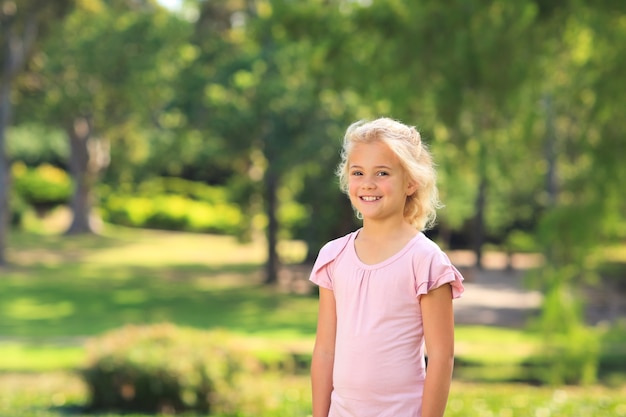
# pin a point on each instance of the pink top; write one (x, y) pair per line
(379, 367)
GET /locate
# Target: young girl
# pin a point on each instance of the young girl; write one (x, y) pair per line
(385, 288)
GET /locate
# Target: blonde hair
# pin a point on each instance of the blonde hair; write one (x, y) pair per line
(405, 142)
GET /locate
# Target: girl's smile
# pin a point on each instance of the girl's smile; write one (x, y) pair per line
(376, 181)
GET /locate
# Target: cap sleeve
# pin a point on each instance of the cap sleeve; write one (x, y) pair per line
(321, 273)
(435, 271)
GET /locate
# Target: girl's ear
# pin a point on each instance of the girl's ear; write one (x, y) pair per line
(411, 186)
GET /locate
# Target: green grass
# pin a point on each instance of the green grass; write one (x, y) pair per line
(494, 345)
(60, 291)
(26, 357)
(60, 394)
(515, 400)
(493, 354)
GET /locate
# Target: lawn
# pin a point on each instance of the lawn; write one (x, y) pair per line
(60, 394)
(60, 291)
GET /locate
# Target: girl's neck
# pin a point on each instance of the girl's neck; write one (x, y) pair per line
(387, 230)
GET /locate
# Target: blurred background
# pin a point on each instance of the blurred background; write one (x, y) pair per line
(169, 165)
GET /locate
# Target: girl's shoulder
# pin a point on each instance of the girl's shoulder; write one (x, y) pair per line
(337, 244)
(331, 250)
(424, 246)
(432, 268)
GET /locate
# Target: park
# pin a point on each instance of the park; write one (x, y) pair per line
(167, 177)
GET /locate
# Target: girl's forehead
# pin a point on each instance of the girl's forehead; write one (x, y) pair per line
(377, 150)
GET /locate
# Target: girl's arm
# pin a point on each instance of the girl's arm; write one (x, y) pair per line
(438, 318)
(324, 354)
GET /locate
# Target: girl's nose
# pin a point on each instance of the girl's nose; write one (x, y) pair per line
(368, 184)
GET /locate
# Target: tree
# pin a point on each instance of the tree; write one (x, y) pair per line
(454, 69)
(107, 84)
(585, 209)
(255, 89)
(22, 24)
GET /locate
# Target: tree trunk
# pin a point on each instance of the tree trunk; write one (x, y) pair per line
(5, 108)
(15, 49)
(271, 201)
(478, 235)
(550, 154)
(79, 133)
(552, 183)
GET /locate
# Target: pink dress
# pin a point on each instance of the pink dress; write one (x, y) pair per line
(379, 367)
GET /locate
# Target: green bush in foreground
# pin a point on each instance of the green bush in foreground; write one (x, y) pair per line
(164, 369)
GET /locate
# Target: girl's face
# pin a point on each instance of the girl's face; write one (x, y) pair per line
(377, 183)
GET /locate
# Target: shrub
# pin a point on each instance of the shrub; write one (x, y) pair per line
(44, 187)
(193, 190)
(164, 369)
(570, 358)
(174, 204)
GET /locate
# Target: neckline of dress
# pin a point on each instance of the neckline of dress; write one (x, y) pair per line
(386, 261)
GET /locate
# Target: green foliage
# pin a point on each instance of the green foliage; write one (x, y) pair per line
(571, 350)
(173, 204)
(36, 144)
(171, 212)
(190, 189)
(521, 241)
(43, 187)
(571, 358)
(612, 361)
(162, 368)
(292, 215)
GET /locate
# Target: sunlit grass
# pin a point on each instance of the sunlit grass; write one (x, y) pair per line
(493, 345)
(516, 400)
(76, 287)
(18, 356)
(61, 290)
(58, 394)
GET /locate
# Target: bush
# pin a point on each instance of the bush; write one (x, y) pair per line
(44, 187)
(192, 190)
(571, 358)
(164, 369)
(173, 204)
(172, 212)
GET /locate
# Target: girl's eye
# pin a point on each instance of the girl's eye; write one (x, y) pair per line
(356, 173)
(382, 173)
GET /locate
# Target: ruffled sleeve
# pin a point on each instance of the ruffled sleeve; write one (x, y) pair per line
(321, 273)
(436, 270)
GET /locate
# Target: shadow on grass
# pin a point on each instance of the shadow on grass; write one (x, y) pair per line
(28, 249)
(71, 287)
(47, 301)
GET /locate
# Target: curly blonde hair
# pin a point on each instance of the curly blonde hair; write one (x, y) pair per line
(406, 143)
